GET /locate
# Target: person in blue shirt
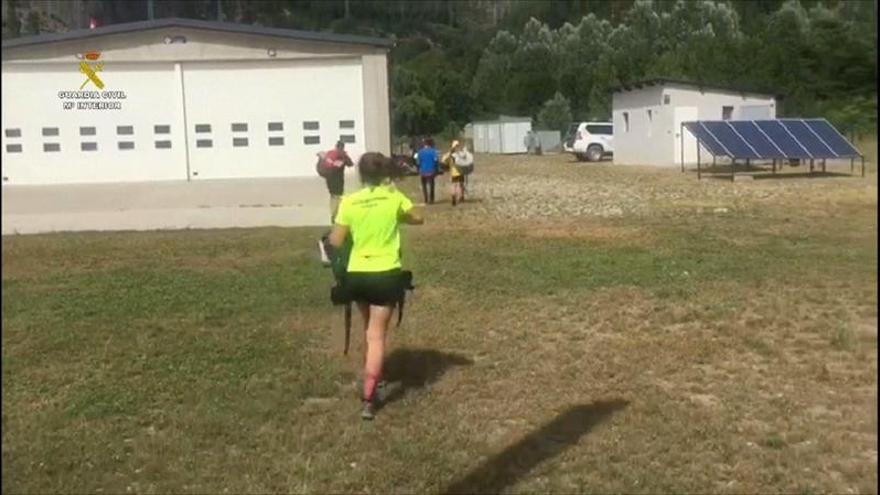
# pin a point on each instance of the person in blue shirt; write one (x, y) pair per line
(428, 162)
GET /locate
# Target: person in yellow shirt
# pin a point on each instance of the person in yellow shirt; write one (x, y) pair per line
(372, 217)
(455, 174)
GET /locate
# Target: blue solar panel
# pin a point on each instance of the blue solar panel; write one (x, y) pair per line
(810, 141)
(725, 134)
(774, 130)
(750, 132)
(706, 139)
(772, 139)
(832, 138)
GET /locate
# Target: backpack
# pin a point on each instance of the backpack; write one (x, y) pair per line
(323, 167)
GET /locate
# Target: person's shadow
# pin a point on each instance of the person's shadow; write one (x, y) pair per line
(406, 369)
(518, 460)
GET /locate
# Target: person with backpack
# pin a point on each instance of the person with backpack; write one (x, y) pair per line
(455, 175)
(370, 221)
(331, 166)
(464, 162)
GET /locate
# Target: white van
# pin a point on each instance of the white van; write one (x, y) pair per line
(593, 141)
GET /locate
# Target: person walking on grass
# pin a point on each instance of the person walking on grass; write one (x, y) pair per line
(331, 167)
(464, 162)
(428, 162)
(455, 174)
(374, 278)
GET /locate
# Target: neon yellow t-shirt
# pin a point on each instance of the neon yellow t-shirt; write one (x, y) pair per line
(372, 216)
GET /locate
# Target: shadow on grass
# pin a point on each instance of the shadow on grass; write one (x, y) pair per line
(417, 368)
(807, 175)
(516, 461)
(762, 172)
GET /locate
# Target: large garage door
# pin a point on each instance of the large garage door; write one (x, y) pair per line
(269, 119)
(44, 143)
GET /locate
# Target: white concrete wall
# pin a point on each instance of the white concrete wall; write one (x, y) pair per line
(647, 142)
(149, 71)
(654, 142)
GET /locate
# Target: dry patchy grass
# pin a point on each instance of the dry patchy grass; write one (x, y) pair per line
(553, 345)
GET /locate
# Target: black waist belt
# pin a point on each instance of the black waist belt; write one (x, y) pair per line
(340, 295)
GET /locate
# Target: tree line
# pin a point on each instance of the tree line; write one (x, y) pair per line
(557, 61)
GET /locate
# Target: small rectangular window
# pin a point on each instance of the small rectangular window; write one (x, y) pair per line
(312, 139)
(239, 127)
(311, 125)
(163, 145)
(48, 147)
(239, 142)
(162, 129)
(13, 148)
(88, 146)
(276, 141)
(124, 130)
(201, 128)
(347, 138)
(50, 131)
(726, 112)
(625, 121)
(13, 132)
(666, 99)
(204, 143)
(87, 131)
(126, 145)
(346, 124)
(276, 126)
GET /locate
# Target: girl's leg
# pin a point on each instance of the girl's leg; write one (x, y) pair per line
(431, 186)
(376, 328)
(364, 308)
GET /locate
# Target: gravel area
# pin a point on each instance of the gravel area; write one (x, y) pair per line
(520, 187)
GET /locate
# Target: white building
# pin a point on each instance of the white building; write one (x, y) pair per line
(647, 118)
(505, 135)
(176, 99)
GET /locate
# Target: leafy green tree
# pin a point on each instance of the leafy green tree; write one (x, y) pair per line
(490, 81)
(555, 114)
(533, 76)
(584, 57)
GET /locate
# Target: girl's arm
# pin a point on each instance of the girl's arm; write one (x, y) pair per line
(411, 217)
(338, 235)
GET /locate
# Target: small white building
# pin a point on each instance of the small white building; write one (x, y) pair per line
(505, 135)
(647, 118)
(187, 100)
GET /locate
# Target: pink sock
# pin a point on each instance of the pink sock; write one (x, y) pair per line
(370, 382)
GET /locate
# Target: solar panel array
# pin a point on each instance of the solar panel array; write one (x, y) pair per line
(772, 139)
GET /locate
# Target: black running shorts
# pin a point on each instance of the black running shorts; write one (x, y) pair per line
(376, 288)
(335, 183)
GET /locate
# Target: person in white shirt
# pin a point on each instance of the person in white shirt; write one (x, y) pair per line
(464, 162)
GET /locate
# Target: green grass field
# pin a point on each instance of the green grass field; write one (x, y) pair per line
(712, 337)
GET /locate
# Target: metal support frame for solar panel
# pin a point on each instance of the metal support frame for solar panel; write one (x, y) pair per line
(779, 139)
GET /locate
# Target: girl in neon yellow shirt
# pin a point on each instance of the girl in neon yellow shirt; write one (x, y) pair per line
(372, 217)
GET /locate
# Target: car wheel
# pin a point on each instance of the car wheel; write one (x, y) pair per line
(594, 153)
